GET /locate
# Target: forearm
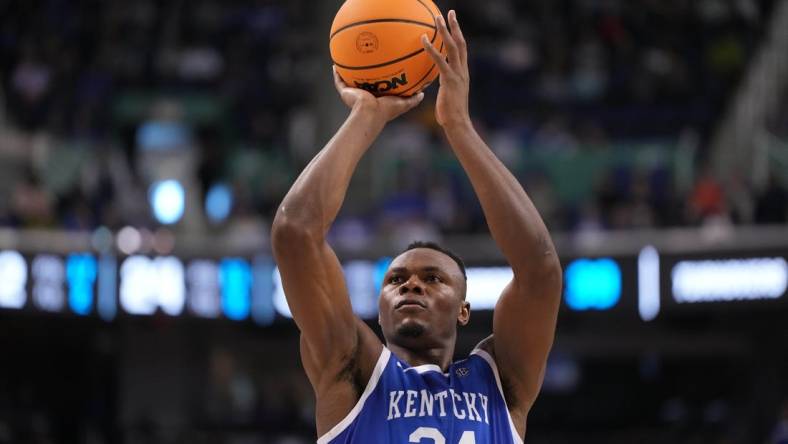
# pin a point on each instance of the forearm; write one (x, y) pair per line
(317, 195)
(514, 222)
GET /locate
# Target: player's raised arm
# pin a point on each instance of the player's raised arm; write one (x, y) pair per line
(311, 273)
(525, 316)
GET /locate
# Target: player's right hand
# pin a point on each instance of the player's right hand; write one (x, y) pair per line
(451, 107)
(386, 108)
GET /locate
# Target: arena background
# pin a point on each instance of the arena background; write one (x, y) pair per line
(145, 145)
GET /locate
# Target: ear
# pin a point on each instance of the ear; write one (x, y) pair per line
(464, 316)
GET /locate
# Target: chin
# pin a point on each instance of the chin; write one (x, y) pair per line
(411, 330)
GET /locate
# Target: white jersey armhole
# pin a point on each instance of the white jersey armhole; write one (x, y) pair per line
(385, 354)
(491, 362)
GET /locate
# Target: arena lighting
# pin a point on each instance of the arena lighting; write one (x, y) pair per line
(150, 284)
(129, 240)
(648, 283)
(168, 200)
(729, 280)
(218, 203)
(592, 284)
(13, 279)
(102, 239)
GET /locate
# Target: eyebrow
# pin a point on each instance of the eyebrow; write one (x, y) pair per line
(427, 269)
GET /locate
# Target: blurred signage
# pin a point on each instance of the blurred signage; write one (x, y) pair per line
(81, 273)
(723, 280)
(485, 284)
(696, 283)
(13, 280)
(592, 284)
(235, 278)
(49, 278)
(648, 283)
(250, 289)
(151, 284)
(202, 283)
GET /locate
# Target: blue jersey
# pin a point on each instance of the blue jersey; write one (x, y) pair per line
(403, 404)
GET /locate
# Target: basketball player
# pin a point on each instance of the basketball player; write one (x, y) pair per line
(408, 390)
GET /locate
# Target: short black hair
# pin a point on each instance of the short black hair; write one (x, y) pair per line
(435, 246)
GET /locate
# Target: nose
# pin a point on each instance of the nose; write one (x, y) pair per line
(412, 285)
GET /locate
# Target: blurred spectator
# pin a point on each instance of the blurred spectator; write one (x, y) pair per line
(32, 205)
(707, 200)
(31, 80)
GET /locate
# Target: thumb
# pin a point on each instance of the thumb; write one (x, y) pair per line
(414, 100)
(397, 106)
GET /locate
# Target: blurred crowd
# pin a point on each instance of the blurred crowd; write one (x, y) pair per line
(242, 397)
(92, 92)
(603, 109)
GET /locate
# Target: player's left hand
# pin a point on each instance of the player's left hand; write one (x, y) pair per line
(452, 105)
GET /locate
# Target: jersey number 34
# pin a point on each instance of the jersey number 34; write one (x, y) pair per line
(422, 433)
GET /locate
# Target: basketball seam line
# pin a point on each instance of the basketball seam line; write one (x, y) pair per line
(380, 65)
(434, 28)
(434, 20)
(387, 20)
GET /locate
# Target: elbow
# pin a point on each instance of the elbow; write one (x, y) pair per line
(288, 232)
(546, 265)
(547, 268)
(546, 271)
(553, 273)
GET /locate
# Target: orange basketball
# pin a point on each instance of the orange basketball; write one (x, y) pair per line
(376, 45)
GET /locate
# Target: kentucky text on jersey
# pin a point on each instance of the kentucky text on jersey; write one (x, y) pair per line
(422, 403)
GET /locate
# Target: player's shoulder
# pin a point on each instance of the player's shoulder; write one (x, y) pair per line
(487, 345)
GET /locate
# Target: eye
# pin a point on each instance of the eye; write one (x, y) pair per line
(434, 278)
(395, 279)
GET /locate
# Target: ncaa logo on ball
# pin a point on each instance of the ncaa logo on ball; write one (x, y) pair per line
(367, 42)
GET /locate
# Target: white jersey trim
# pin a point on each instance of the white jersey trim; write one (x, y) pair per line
(371, 384)
(424, 368)
(491, 362)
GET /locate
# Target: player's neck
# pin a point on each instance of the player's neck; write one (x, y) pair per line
(440, 356)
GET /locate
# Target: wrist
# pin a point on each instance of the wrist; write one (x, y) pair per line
(457, 124)
(369, 112)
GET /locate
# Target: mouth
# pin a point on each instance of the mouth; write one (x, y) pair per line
(409, 303)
